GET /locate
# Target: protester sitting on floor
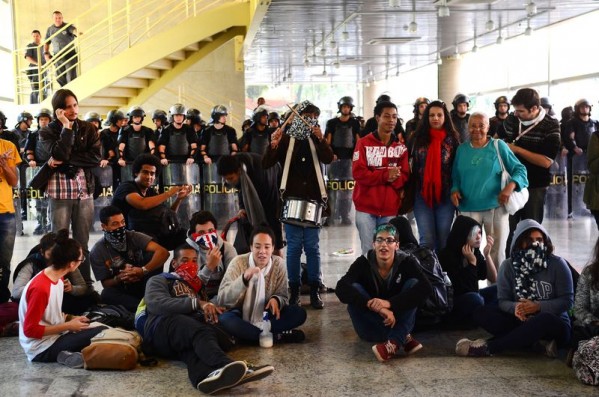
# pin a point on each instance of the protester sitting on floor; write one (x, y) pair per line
(76, 299)
(44, 332)
(254, 283)
(465, 265)
(124, 260)
(586, 304)
(382, 291)
(177, 322)
(215, 254)
(535, 292)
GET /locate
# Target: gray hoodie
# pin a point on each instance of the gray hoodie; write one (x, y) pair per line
(554, 283)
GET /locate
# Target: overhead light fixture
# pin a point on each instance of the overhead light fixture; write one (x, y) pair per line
(531, 8)
(367, 83)
(439, 59)
(499, 39)
(490, 25)
(336, 64)
(289, 75)
(345, 33)
(370, 72)
(394, 3)
(323, 51)
(456, 53)
(413, 27)
(397, 72)
(306, 62)
(528, 31)
(475, 48)
(333, 43)
(443, 10)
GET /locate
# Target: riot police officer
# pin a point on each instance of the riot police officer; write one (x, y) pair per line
(502, 109)
(178, 141)
(257, 138)
(94, 118)
(115, 120)
(419, 106)
(160, 120)
(274, 120)
(459, 115)
(219, 138)
(135, 138)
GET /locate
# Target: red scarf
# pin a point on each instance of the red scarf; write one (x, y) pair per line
(188, 271)
(431, 183)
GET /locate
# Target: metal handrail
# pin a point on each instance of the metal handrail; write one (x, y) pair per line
(116, 30)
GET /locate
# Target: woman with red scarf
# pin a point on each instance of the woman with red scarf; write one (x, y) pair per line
(434, 147)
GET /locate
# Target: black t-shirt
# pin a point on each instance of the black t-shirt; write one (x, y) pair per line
(109, 139)
(119, 198)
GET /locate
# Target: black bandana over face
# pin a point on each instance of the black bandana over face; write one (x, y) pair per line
(117, 238)
(526, 263)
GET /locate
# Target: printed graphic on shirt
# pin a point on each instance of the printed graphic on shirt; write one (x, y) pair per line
(356, 156)
(375, 154)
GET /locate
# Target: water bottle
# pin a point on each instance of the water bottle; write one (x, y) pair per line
(265, 335)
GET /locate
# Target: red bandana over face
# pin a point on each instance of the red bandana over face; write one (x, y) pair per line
(188, 271)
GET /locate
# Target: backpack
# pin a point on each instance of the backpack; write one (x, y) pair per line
(113, 316)
(440, 301)
(586, 361)
(113, 348)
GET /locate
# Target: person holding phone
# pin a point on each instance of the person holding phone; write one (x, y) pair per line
(254, 284)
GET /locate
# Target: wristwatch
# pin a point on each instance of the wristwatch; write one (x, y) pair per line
(145, 271)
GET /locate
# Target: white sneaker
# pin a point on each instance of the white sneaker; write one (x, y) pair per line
(223, 378)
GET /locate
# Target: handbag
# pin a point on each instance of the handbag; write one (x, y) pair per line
(517, 200)
(113, 348)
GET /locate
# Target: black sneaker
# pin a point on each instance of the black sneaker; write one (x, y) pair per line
(292, 336)
(70, 359)
(255, 372)
(223, 378)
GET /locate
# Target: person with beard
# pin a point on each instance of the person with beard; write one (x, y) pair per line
(372, 126)
(178, 141)
(124, 260)
(36, 156)
(142, 206)
(308, 184)
(419, 107)
(502, 109)
(535, 293)
(135, 139)
(254, 288)
(74, 146)
(576, 134)
(215, 254)
(383, 290)
(177, 322)
(380, 167)
(465, 265)
(534, 137)
(460, 116)
(258, 191)
(219, 138)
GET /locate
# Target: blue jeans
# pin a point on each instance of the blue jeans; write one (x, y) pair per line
(306, 239)
(433, 223)
(8, 230)
(232, 321)
(78, 214)
(366, 224)
(369, 325)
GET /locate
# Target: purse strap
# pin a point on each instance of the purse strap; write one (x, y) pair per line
(286, 166)
(496, 143)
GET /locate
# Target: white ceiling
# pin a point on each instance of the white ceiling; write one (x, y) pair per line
(295, 31)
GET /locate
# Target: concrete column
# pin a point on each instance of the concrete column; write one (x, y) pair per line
(450, 80)
(369, 99)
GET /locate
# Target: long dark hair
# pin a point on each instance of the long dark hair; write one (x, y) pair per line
(422, 136)
(65, 251)
(594, 267)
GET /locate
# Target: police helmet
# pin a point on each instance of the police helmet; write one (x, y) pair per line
(194, 115)
(136, 111)
(161, 115)
(177, 108)
(500, 100)
(582, 102)
(258, 114)
(546, 102)
(383, 98)
(114, 116)
(44, 113)
(24, 116)
(274, 116)
(460, 98)
(217, 112)
(346, 100)
(93, 116)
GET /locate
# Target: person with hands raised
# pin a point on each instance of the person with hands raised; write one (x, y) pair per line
(44, 332)
(466, 265)
(383, 290)
(255, 282)
(535, 293)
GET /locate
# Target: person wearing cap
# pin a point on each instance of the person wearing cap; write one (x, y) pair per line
(371, 124)
(382, 291)
(576, 134)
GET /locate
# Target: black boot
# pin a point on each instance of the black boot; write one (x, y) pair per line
(294, 293)
(315, 300)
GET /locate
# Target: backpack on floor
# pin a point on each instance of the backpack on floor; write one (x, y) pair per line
(113, 348)
(586, 361)
(113, 316)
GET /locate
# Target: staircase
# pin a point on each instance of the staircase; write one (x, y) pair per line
(125, 61)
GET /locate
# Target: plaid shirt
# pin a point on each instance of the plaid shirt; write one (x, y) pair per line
(62, 188)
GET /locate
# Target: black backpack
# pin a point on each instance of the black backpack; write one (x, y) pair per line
(112, 315)
(440, 302)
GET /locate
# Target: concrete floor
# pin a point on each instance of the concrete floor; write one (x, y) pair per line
(332, 361)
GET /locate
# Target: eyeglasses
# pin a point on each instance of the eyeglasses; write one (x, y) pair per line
(388, 240)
